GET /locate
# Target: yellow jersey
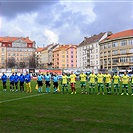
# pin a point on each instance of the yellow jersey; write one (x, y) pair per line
(100, 78)
(72, 78)
(64, 79)
(116, 79)
(132, 79)
(92, 78)
(125, 79)
(83, 77)
(107, 78)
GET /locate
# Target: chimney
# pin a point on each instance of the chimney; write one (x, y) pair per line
(109, 33)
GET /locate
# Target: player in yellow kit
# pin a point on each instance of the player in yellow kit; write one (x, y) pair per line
(116, 81)
(107, 78)
(100, 80)
(72, 82)
(92, 82)
(131, 80)
(132, 84)
(64, 83)
(82, 77)
(125, 80)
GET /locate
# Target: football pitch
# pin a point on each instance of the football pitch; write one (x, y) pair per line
(35, 112)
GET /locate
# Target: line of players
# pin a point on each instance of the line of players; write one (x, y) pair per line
(15, 79)
(102, 81)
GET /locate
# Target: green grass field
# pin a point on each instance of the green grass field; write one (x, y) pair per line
(64, 113)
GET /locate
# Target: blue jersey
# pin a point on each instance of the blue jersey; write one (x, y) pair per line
(47, 77)
(12, 78)
(27, 78)
(21, 78)
(40, 78)
(55, 78)
(16, 78)
(4, 78)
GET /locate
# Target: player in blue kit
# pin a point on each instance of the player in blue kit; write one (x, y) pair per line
(47, 79)
(4, 79)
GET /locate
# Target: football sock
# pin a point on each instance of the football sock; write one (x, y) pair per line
(126, 90)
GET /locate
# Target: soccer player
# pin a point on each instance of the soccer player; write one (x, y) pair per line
(92, 80)
(116, 81)
(55, 82)
(27, 80)
(125, 80)
(40, 83)
(64, 82)
(4, 79)
(83, 77)
(107, 78)
(100, 80)
(21, 79)
(12, 82)
(16, 79)
(47, 78)
(132, 84)
(72, 82)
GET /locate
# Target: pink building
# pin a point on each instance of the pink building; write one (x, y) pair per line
(65, 56)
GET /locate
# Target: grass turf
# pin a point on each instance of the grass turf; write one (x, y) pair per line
(54, 113)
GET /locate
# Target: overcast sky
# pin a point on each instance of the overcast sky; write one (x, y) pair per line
(63, 21)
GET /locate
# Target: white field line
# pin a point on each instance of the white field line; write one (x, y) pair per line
(15, 99)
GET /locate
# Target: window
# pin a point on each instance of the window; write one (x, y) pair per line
(2, 49)
(123, 51)
(115, 60)
(71, 52)
(109, 53)
(131, 50)
(114, 44)
(71, 61)
(2, 58)
(105, 46)
(123, 43)
(63, 56)
(130, 42)
(123, 59)
(96, 50)
(71, 56)
(109, 61)
(96, 62)
(131, 59)
(105, 61)
(114, 52)
(63, 60)
(9, 54)
(109, 45)
(101, 47)
(96, 56)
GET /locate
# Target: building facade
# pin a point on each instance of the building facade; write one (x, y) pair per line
(65, 57)
(38, 55)
(88, 52)
(16, 50)
(116, 51)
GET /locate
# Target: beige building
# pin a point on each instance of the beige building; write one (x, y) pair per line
(88, 52)
(116, 51)
(16, 50)
(38, 55)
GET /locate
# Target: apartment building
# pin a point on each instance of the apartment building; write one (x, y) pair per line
(88, 52)
(116, 51)
(16, 49)
(38, 57)
(65, 57)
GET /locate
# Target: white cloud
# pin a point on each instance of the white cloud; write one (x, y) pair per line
(51, 36)
(86, 8)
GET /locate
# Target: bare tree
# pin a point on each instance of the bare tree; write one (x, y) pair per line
(32, 61)
(22, 64)
(11, 63)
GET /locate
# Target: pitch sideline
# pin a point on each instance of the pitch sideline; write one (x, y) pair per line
(21, 98)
